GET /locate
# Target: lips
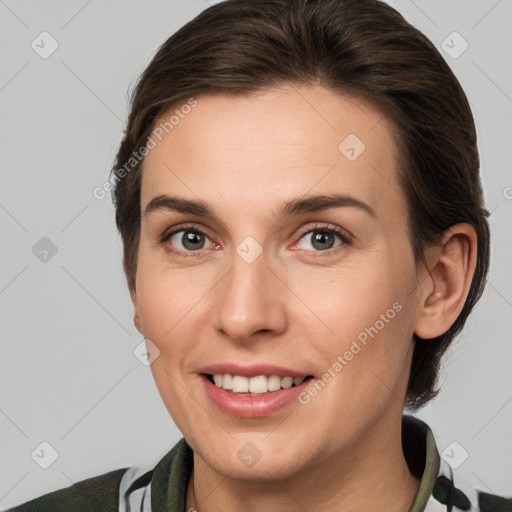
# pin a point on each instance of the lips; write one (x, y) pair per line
(239, 400)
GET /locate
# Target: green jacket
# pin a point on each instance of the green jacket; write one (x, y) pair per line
(164, 488)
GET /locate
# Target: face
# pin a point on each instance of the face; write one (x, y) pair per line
(296, 263)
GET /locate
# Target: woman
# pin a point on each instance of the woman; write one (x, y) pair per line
(304, 235)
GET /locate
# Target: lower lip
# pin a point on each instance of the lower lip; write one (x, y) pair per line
(246, 406)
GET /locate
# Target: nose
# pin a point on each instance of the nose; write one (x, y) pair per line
(251, 301)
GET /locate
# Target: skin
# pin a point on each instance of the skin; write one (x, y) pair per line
(296, 305)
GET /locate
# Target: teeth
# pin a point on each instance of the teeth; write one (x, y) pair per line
(274, 383)
(227, 381)
(258, 384)
(286, 382)
(240, 384)
(255, 385)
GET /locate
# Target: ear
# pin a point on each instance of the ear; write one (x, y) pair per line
(136, 316)
(444, 290)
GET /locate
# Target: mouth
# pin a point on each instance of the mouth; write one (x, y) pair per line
(253, 391)
(259, 385)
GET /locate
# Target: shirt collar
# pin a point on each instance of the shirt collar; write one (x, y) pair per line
(170, 479)
(422, 456)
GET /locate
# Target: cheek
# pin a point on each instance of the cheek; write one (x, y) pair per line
(351, 298)
(170, 300)
(363, 313)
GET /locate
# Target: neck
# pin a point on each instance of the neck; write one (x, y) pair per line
(373, 474)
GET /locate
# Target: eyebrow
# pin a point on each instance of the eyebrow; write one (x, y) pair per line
(297, 206)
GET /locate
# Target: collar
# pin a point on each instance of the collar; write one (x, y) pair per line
(422, 456)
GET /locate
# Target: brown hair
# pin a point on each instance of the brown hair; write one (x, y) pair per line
(361, 48)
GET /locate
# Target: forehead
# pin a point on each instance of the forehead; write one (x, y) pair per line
(259, 149)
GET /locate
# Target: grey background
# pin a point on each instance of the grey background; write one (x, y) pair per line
(68, 375)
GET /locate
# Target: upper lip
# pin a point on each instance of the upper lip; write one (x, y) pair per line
(252, 370)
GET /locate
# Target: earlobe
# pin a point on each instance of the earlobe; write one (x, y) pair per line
(443, 294)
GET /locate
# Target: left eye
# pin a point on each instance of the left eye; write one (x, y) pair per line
(322, 239)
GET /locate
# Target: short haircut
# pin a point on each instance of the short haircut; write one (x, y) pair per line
(362, 49)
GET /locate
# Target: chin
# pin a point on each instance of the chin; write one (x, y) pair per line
(241, 460)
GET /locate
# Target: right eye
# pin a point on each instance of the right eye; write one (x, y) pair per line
(186, 240)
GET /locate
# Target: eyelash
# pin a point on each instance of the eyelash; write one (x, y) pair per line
(324, 228)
